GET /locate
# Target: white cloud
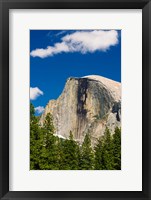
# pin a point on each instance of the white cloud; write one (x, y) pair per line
(35, 92)
(50, 50)
(92, 40)
(39, 109)
(80, 41)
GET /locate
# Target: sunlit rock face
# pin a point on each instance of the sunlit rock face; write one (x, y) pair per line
(86, 105)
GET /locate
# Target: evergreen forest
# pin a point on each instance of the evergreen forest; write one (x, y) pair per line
(49, 152)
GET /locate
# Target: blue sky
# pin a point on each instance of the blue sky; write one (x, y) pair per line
(58, 55)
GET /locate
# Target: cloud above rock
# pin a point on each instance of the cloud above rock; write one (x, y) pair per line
(80, 41)
(39, 109)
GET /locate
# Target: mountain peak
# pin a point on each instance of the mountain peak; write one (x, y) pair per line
(113, 86)
(87, 104)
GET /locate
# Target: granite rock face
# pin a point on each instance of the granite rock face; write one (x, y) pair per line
(86, 105)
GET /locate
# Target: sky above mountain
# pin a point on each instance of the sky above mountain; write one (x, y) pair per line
(56, 55)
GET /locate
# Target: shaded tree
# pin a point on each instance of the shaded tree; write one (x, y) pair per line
(49, 152)
(49, 157)
(70, 154)
(107, 151)
(117, 148)
(99, 154)
(35, 143)
(87, 154)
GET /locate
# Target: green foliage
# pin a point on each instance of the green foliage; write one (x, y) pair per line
(108, 151)
(32, 111)
(48, 124)
(49, 157)
(117, 148)
(99, 155)
(49, 152)
(35, 143)
(70, 154)
(87, 154)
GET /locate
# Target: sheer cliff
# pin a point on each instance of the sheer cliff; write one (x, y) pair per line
(86, 105)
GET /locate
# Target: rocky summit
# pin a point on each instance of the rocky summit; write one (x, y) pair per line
(87, 105)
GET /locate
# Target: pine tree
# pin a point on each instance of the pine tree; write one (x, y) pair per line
(71, 154)
(48, 124)
(35, 143)
(107, 151)
(87, 154)
(99, 154)
(49, 153)
(117, 148)
(32, 112)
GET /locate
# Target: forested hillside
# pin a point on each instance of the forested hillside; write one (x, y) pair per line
(50, 152)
